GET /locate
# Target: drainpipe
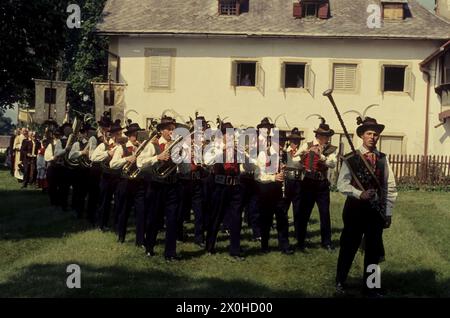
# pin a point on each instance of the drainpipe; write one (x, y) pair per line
(427, 109)
(427, 112)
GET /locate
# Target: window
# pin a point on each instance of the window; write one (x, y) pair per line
(50, 95)
(108, 97)
(394, 78)
(311, 9)
(229, 7)
(248, 73)
(159, 68)
(393, 11)
(344, 77)
(397, 78)
(294, 75)
(391, 145)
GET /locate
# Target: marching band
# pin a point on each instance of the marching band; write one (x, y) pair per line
(109, 170)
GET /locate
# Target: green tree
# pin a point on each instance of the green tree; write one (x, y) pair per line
(85, 57)
(32, 37)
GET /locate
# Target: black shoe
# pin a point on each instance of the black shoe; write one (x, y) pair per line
(150, 253)
(200, 244)
(174, 258)
(301, 247)
(257, 239)
(239, 258)
(121, 239)
(287, 251)
(340, 289)
(328, 247)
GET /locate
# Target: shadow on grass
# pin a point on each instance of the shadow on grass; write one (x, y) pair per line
(420, 283)
(50, 281)
(26, 214)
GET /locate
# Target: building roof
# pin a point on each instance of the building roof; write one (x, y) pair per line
(436, 54)
(265, 18)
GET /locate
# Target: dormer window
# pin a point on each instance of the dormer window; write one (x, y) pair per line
(311, 9)
(233, 7)
(394, 10)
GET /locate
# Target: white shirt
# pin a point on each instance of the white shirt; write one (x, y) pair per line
(49, 155)
(390, 191)
(75, 151)
(148, 156)
(264, 174)
(101, 152)
(330, 160)
(293, 161)
(118, 161)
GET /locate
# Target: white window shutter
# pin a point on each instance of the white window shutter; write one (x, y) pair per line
(233, 77)
(310, 79)
(160, 68)
(407, 85)
(345, 77)
(283, 76)
(261, 78)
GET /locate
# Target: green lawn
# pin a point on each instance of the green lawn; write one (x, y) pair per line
(37, 243)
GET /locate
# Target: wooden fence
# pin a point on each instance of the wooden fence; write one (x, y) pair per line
(417, 169)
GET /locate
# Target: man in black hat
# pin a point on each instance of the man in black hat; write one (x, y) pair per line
(82, 147)
(164, 198)
(129, 192)
(193, 178)
(270, 178)
(95, 170)
(317, 157)
(54, 158)
(249, 185)
(293, 173)
(226, 197)
(360, 215)
(110, 177)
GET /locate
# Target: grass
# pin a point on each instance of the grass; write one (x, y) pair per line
(37, 243)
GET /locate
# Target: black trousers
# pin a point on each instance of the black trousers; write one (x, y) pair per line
(192, 198)
(270, 203)
(163, 203)
(80, 190)
(226, 200)
(93, 186)
(29, 174)
(314, 192)
(250, 206)
(292, 196)
(130, 193)
(58, 185)
(52, 181)
(108, 185)
(359, 219)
